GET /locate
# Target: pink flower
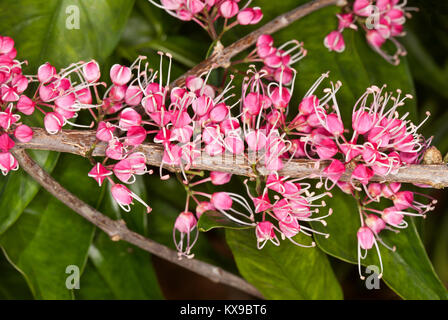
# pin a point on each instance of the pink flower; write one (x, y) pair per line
(23, 133)
(120, 75)
(123, 196)
(8, 163)
(53, 122)
(138, 162)
(375, 39)
(92, 71)
(6, 143)
(334, 41)
(46, 73)
(129, 118)
(308, 104)
(221, 201)
(228, 9)
(256, 140)
(185, 222)
(123, 171)
(403, 200)
(335, 170)
(99, 173)
(362, 121)
(6, 45)
(261, 203)
(25, 105)
(362, 7)
(105, 131)
(203, 207)
(219, 113)
(135, 135)
(220, 178)
(264, 231)
(392, 216)
(366, 238)
(362, 173)
(375, 223)
(345, 21)
(115, 149)
(249, 16)
(289, 229)
(280, 97)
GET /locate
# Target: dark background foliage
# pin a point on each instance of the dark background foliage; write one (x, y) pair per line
(40, 237)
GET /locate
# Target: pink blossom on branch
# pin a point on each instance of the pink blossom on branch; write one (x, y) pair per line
(381, 20)
(207, 12)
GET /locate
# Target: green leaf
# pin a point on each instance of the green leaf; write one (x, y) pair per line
(12, 284)
(49, 237)
(118, 270)
(17, 189)
(93, 286)
(46, 30)
(286, 271)
(126, 271)
(407, 271)
(213, 219)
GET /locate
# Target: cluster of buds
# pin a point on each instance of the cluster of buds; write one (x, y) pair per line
(12, 100)
(373, 221)
(382, 20)
(207, 12)
(277, 61)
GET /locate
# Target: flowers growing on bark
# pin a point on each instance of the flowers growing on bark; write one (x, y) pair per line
(207, 12)
(13, 102)
(261, 124)
(381, 20)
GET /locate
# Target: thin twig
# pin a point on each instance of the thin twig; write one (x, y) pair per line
(117, 230)
(80, 141)
(221, 58)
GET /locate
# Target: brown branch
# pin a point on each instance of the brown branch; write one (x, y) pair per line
(222, 58)
(117, 230)
(80, 141)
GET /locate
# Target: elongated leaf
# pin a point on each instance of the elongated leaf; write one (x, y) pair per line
(93, 287)
(64, 31)
(127, 271)
(118, 270)
(286, 271)
(12, 283)
(407, 271)
(49, 237)
(18, 189)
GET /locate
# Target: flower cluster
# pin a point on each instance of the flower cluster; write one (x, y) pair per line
(12, 100)
(199, 122)
(381, 143)
(382, 20)
(277, 61)
(207, 12)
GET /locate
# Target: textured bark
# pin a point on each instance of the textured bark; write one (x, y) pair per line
(80, 141)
